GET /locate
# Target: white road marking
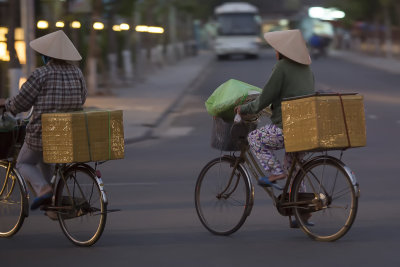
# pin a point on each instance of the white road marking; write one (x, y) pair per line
(132, 184)
(177, 131)
(372, 117)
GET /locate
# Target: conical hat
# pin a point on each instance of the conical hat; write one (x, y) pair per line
(56, 45)
(291, 44)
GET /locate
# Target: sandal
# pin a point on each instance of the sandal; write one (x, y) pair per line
(42, 200)
(265, 182)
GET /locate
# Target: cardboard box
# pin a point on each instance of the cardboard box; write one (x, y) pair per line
(321, 122)
(83, 136)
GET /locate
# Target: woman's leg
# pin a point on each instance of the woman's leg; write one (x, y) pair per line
(27, 164)
(289, 158)
(263, 141)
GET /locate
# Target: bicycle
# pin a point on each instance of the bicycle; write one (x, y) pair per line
(79, 202)
(321, 187)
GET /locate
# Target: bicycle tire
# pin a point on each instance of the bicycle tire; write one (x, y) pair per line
(329, 184)
(219, 215)
(12, 202)
(88, 206)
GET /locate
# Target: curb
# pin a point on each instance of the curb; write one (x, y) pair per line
(380, 63)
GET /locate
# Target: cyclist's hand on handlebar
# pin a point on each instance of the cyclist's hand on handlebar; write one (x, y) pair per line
(237, 109)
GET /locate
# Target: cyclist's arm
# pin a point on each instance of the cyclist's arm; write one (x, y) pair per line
(26, 97)
(270, 92)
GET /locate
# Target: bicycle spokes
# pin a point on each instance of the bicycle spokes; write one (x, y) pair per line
(12, 201)
(222, 196)
(82, 212)
(334, 205)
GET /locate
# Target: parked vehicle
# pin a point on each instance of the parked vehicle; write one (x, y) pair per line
(238, 30)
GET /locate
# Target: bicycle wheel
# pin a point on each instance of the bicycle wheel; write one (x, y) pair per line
(222, 203)
(332, 199)
(82, 212)
(12, 202)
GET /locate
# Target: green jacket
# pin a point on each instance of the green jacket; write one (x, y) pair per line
(288, 79)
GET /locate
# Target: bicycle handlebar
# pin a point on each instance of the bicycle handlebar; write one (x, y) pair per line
(16, 118)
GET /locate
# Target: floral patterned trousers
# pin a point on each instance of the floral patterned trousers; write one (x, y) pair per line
(263, 142)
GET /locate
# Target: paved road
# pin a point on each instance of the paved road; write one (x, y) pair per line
(154, 187)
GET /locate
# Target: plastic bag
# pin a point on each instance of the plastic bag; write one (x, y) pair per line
(227, 96)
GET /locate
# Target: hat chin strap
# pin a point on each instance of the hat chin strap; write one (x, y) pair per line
(46, 59)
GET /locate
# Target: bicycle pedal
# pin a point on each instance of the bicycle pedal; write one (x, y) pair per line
(113, 210)
(45, 207)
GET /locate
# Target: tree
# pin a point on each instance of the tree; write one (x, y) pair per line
(374, 12)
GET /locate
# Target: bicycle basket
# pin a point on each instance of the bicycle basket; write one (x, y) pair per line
(10, 135)
(229, 136)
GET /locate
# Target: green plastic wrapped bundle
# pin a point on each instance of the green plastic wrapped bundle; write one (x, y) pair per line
(228, 95)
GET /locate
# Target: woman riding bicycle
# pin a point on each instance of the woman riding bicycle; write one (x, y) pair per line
(290, 77)
(58, 86)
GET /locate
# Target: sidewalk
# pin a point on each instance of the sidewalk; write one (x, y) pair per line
(381, 63)
(146, 104)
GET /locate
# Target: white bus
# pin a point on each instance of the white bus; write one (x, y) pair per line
(238, 30)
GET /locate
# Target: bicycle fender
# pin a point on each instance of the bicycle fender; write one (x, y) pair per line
(348, 171)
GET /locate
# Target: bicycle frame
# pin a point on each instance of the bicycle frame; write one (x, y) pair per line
(10, 165)
(256, 171)
(249, 164)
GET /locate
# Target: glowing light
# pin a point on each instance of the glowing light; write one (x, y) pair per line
(3, 32)
(149, 29)
(98, 26)
(22, 80)
(156, 30)
(42, 24)
(75, 24)
(20, 48)
(283, 22)
(116, 28)
(141, 28)
(338, 14)
(4, 55)
(124, 26)
(19, 34)
(60, 24)
(325, 13)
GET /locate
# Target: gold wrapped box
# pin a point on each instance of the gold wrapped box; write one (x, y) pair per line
(82, 136)
(323, 122)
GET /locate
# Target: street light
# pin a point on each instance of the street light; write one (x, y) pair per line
(42, 24)
(60, 24)
(75, 24)
(124, 26)
(153, 29)
(98, 26)
(116, 28)
(141, 28)
(149, 29)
